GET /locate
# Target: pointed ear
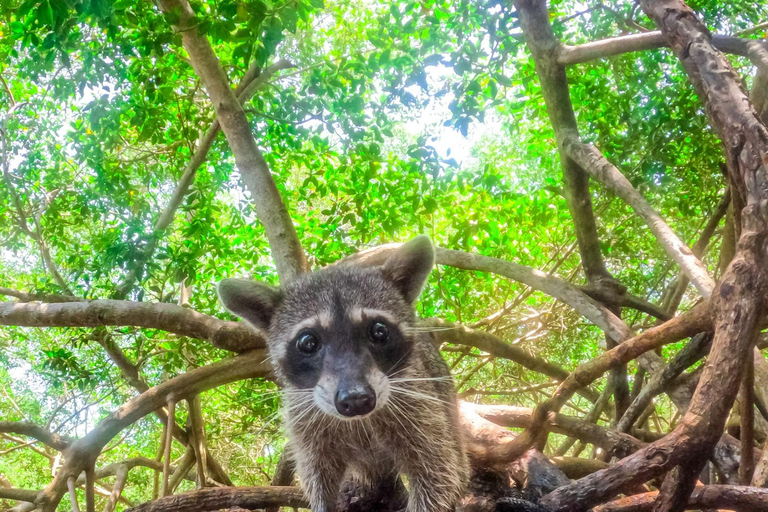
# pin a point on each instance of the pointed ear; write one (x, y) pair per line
(252, 301)
(409, 266)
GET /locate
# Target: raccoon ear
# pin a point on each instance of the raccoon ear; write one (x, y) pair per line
(252, 301)
(409, 266)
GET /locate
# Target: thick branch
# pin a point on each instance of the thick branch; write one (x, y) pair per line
(234, 336)
(729, 497)
(640, 42)
(597, 166)
(209, 499)
(286, 250)
(36, 432)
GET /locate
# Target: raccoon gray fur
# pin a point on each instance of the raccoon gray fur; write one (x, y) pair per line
(366, 392)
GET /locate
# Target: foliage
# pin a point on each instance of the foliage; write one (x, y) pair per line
(399, 118)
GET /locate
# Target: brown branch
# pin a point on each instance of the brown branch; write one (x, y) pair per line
(209, 499)
(692, 352)
(747, 423)
(613, 442)
(729, 497)
(597, 166)
(683, 326)
(36, 432)
(252, 81)
(611, 47)
(234, 336)
(284, 243)
(252, 364)
(18, 494)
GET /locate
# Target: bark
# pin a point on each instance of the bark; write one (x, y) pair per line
(234, 336)
(284, 243)
(697, 348)
(729, 497)
(34, 431)
(82, 451)
(740, 297)
(598, 167)
(605, 48)
(747, 423)
(217, 498)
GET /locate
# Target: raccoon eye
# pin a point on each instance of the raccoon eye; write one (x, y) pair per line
(379, 332)
(307, 343)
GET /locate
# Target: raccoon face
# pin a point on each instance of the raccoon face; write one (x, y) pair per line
(341, 332)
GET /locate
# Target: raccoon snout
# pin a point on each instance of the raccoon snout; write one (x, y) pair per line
(357, 401)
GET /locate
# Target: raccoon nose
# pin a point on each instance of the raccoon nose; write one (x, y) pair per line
(356, 401)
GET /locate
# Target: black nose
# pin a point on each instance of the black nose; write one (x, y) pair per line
(356, 401)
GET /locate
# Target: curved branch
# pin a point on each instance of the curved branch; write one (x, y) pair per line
(546, 283)
(81, 452)
(597, 166)
(487, 342)
(283, 241)
(233, 336)
(34, 431)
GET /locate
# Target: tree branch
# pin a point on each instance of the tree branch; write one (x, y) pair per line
(611, 47)
(233, 336)
(29, 429)
(209, 499)
(286, 250)
(596, 165)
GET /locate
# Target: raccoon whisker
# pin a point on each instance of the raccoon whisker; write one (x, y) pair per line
(417, 379)
(407, 417)
(397, 411)
(416, 394)
(429, 329)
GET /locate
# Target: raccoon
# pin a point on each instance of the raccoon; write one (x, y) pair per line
(366, 392)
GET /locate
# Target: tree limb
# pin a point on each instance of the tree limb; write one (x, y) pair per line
(284, 243)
